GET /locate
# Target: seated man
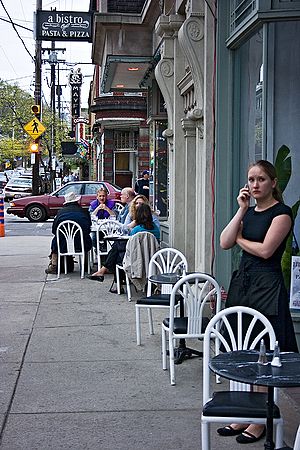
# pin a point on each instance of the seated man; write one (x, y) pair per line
(71, 210)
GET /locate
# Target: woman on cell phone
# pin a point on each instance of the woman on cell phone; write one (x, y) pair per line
(261, 231)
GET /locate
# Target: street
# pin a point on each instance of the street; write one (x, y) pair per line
(15, 226)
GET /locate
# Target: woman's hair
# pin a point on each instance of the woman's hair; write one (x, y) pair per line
(269, 170)
(144, 216)
(102, 189)
(133, 209)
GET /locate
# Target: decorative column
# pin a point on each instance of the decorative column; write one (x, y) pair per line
(199, 141)
(190, 198)
(168, 72)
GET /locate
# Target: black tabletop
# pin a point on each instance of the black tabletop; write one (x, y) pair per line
(121, 237)
(165, 278)
(242, 366)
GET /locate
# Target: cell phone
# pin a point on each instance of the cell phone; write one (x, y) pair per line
(246, 186)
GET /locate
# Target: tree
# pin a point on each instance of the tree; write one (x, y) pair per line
(15, 112)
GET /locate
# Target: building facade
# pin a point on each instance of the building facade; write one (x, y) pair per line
(222, 87)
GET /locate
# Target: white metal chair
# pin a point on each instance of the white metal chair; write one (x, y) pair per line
(109, 228)
(166, 260)
(198, 291)
(118, 207)
(296, 442)
(69, 236)
(235, 328)
(140, 248)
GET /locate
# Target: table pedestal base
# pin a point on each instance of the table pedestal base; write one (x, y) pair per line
(182, 352)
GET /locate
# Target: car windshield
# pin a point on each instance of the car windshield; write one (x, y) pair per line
(20, 182)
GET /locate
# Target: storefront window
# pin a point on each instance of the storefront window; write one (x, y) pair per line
(249, 74)
(161, 182)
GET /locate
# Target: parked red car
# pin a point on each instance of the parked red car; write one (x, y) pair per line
(42, 207)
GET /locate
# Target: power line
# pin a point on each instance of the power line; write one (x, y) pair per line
(17, 25)
(14, 27)
(19, 78)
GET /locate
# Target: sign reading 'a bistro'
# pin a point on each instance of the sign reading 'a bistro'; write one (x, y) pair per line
(63, 26)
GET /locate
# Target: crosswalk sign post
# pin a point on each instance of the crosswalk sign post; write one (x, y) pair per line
(34, 128)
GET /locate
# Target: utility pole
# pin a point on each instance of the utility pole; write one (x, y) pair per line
(53, 62)
(38, 101)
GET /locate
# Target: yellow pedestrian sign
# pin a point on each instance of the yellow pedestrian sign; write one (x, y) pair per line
(34, 128)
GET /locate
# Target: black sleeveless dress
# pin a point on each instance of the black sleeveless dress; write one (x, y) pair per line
(259, 282)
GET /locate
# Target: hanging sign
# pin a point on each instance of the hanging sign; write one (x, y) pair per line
(63, 26)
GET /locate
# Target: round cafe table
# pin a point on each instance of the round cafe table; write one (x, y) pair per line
(242, 366)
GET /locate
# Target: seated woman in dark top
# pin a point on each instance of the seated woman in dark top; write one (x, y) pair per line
(144, 222)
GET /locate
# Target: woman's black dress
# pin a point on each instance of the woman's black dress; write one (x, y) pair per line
(259, 282)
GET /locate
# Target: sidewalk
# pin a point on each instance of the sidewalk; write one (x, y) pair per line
(72, 376)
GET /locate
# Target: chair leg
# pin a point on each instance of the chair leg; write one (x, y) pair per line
(118, 280)
(164, 348)
(128, 287)
(205, 436)
(89, 257)
(65, 263)
(81, 259)
(150, 320)
(279, 435)
(138, 325)
(171, 361)
(58, 266)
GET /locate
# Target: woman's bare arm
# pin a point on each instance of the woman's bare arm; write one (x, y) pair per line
(277, 232)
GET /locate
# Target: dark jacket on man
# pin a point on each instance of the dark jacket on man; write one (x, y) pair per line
(73, 211)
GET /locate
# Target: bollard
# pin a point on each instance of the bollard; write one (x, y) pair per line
(2, 228)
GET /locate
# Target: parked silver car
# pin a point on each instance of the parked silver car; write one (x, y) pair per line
(18, 187)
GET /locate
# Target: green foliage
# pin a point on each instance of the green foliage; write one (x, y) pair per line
(283, 165)
(15, 112)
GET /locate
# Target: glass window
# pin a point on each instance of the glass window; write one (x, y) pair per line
(122, 161)
(249, 90)
(91, 189)
(76, 188)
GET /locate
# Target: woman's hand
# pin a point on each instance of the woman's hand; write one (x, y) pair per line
(233, 231)
(243, 198)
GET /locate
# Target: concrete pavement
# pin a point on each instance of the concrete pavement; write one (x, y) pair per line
(72, 375)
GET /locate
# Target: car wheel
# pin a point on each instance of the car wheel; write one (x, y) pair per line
(36, 213)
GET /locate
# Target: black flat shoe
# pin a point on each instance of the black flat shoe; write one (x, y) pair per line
(229, 431)
(248, 438)
(96, 277)
(115, 290)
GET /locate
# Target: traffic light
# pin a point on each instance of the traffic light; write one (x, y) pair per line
(34, 147)
(35, 109)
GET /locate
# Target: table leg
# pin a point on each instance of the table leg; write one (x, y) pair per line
(269, 444)
(183, 352)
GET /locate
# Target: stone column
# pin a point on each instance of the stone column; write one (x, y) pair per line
(190, 198)
(199, 60)
(168, 73)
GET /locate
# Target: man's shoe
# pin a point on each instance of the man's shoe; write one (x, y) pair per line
(115, 290)
(51, 269)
